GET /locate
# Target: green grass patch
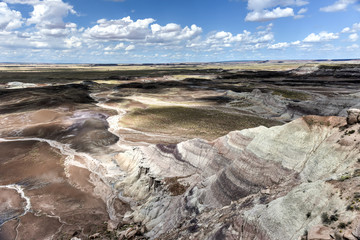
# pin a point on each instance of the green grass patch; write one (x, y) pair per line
(191, 122)
(344, 177)
(293, 95)
(241, 104)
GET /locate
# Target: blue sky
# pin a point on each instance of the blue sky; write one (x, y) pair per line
(144, 31)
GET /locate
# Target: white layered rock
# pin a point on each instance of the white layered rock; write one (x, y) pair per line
(272, 177)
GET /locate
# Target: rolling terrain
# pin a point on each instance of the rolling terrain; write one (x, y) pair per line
(260, 150)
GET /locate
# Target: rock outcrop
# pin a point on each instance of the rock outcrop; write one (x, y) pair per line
(353, 116)
(321, 233)
(261, 183)
(259, 103)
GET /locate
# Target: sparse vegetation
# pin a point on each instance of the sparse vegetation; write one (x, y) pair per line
(342, 128)
(305, 235)
(308, 214)
(241, 104)
(174, 187)
(348, 133)
(342, 225)
(334, 217)
(293, 95)
(356, 173)
(326, 219)
(344, 177)
(191, 122)
(349, 208)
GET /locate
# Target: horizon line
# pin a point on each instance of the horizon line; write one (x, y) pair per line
(185, 63)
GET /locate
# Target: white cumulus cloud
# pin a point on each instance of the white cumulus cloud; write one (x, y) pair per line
(300, 13)
(30, 2)
(45, 23)
(355, 28)
(258, 5)
(73, 42)
(120, 29)
(9, 19)
(49, 14)
(119, 46)
(302, 10)
(218, 41)
(172, 32)
(353, 47)
(353, 37)
(280, 45)
(346, 30)
(321, 37)
(44, 28)
(130, 47)
(266, 10)
(339, 5)
(141, 31)
(266, 15)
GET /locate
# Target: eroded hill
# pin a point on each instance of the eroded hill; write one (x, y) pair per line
(210, 151)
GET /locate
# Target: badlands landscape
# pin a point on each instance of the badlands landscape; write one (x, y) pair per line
(234, 150)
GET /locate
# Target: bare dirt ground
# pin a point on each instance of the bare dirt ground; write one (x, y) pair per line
(61, 126)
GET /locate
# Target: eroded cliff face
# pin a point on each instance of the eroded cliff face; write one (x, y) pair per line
(260, 183)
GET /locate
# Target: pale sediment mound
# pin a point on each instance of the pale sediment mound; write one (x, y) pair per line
(353, 116)
(44, 115)
(84, 130)
(260, 183)
(259, 103)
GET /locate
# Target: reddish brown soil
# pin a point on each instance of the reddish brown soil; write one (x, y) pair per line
(61, 207)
